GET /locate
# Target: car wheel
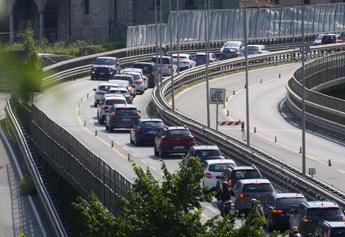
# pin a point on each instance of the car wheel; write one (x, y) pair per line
(130, 139)
(155, 150)
(162, 154)
(95, 104)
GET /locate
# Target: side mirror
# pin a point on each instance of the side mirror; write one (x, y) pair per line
(94, 89)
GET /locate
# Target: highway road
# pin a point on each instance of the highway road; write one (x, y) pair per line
(269, 117)
(71, 106)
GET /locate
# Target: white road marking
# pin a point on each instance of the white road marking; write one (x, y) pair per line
(342, 171)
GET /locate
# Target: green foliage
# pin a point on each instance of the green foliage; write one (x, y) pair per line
(26, 185)
(170, 207)
(21, 234)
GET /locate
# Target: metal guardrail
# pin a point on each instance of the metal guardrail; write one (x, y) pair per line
(322, 110)
(279, 172)
(30, 163)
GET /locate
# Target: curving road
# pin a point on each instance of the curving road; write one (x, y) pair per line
(276, 133)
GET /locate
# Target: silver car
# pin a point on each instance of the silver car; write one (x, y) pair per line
(166, 65)
(141, 81)
(109, 100)
(100, 91)
(247, 189)
(256, 49)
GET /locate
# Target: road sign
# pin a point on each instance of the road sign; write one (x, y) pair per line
(231, 123)
(217, 95)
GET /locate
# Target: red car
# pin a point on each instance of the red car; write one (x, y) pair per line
(173, 140)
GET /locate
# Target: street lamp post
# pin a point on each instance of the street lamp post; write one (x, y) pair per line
(207, 7)
(303, 96)
(246, 62)
(160, 42)
(156, 27)
(171, 59)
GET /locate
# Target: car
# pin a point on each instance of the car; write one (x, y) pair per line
(100, 91)
(325, 39)
(173, 140)
(247, 189)
(214, 168)
(205, 152)
(276, 209)
(228, 53)
(109, 100)
(239, 45)
(104, 68)
(186, 61)
(167, 64)
(140, 79)
(125, 77)
(150, 71)
(122, 116)
(330, 229)
(307, 215)
(233, 174)
(145, 130)
(256, 49)
(200, 58)
(122, 91)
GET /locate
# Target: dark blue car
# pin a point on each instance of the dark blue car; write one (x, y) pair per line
(145, 131)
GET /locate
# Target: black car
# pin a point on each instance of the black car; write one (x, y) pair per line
(277, 209)
(307, 215)
(145, 130)
(330, 229)
(228, 53)
(104, 68)
(233, 174)
(149, 69)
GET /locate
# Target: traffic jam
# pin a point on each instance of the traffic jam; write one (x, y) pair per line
(236, 187)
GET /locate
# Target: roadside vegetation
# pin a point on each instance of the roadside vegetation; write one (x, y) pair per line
(167, 208)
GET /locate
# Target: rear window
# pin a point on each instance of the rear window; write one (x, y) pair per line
(229, 50)
(146, 68)
(200, 57)
(115, 101)
(221, 167)
(125, 111)
(152, 124)
(129, 79)
(257, 187)
(324, 212)
(105, 61)
(207, 153)
(253, 48)
(135, 76)
(103, 88)
(289, 202)
(178, 132)
(164, 60)
(246, 174)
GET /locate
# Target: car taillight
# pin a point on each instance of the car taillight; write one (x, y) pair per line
(170, 65)
(305, 220)
(342, 218)
(243, 195)
(141, 130)
(277, 211)
(140, 81)
(229, 182)
(186, 62)
(133, 85)
(113, 114)
(208, 175)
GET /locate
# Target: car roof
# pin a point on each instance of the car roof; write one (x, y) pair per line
(320, 204)
(244, 168)
(181, 54)
(254, 181)
(117, 88)
(233, 41)
(205, 147)
(124, 106)
(103, 57)
(216, 161)
(289, 195)
(176, 128)
(145, 63)
(201, 53)
(122, 75)
(105, 84)
(334, 224)
(132, 69)
(163, 56)
(150, 119)
(256, 45)
(114, 96)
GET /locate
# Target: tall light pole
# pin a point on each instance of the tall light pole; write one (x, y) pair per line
(246, 62)
(293, 24)
(207, 7)
(178, 35)
(303, 97)
(160, 41)
(171, 59)
(156, 27)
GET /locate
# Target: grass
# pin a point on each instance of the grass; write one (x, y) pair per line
(26, 185)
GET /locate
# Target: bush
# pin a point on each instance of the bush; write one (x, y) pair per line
(27, 186)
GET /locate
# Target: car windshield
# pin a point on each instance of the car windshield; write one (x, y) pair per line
(246, 174)
(229, 50)
(200, 57)
(105, 61)
(126, 111)
(287, 203)
(129, 79)
(232, 44)
(151, 124)
(178, 133)
(164, 60)
(220, 167)
(207, 153)
(146, 68)
(319, 37)
(324, 212)
(257, 187)
(181, 57)
(253, 48)
(136, 76)
(115, 101)
(337, 232)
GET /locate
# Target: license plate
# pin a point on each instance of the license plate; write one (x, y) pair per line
(178, 147)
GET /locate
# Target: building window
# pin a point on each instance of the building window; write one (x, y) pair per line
(189, 3)
(86, 7)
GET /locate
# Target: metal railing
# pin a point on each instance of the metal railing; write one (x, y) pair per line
(322, 110)
(279, 172)
(30, 163)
